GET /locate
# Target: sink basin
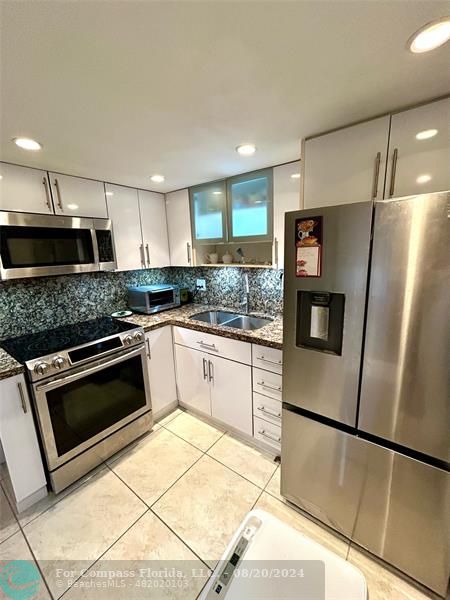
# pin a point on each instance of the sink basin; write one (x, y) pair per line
(219, 317)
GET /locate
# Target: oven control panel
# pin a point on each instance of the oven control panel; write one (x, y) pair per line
(58, 362)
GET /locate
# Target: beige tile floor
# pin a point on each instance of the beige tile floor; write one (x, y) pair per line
(170, 501)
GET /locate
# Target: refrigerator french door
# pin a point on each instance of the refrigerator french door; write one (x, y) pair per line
(366, 387)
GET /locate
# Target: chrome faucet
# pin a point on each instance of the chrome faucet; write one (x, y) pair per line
(245, 302)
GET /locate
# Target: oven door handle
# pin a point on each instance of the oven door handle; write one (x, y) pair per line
(82, 373)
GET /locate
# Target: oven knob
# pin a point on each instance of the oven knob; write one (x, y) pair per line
(138, 336)
(58, 362)
(41, 368)
(127, 340)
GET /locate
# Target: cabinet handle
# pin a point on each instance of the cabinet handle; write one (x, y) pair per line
(393, 172)
(141, 250)
(22, 397)
(205, 369)
(58, 194)
(271, 362)
(276, 252)
(210, 370)
(188, 247)
(208, 346)
(147, 251)
(264, 410)
(149, 352)
(376, 175)
(264, 433)
(47, 194)
(266, 386)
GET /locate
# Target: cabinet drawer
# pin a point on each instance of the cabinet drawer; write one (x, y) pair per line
(267, 384)
(269, 359)
(267, 432)
(214, 344)
(267, 409)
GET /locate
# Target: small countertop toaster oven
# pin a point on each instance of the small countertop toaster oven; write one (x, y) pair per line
(149, 299)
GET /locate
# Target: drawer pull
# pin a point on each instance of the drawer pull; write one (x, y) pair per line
(271, 362)
(266, 386)
(264, 410)
(264, 433)
(208, 346)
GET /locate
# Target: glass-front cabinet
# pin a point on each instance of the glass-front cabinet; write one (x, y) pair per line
(250, 207)
(235, 210)
(209, 213)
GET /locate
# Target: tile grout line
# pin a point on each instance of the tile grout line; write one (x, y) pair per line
(237, 473)
(38, 566)
(104, 552)
(190, 443)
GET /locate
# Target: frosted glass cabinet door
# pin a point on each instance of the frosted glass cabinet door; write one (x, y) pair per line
(419, 150)
(208, 213)
(250, 207)
(346, 166)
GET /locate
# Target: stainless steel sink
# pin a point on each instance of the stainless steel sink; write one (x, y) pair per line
(219, 317)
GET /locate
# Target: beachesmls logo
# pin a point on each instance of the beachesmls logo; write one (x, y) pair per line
(19, 579)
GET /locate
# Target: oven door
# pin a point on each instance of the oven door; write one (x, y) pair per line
(78, 410)
(33, 245)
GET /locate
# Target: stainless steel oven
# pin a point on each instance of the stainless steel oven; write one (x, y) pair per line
(91, 411)
(33, 245)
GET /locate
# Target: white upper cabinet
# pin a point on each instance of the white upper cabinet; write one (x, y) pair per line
(78, 197)
(347, 165)
(286, 197)
(419, 151)
(24, 190)
(179, 228)
(154, 228)
(123, 209)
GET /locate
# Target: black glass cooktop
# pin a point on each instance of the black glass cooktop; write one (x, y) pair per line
(35, 345)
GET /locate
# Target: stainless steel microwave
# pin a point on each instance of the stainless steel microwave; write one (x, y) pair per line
(149, 299)
(32, 245)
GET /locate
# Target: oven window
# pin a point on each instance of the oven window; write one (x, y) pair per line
(161, 298)
(45, 246)
(81, 409)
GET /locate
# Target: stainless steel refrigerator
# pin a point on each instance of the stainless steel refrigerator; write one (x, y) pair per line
(366, 376)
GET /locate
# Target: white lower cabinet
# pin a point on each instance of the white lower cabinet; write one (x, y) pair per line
(20, 443)
(192, 379)
(161, 367)
(231, 393)
(268, 433)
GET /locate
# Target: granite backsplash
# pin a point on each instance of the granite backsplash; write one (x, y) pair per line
(29, 305)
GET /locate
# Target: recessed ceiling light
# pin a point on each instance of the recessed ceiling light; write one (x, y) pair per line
(157, 178)
(109, 193)
(27, 143)
(217, 192)
(430, 36)
(426, 134)
(295, 175)
(246, 149)
(423, 179)
(1, 176)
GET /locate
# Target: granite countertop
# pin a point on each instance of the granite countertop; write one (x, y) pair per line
(9, 365)
(270, 335)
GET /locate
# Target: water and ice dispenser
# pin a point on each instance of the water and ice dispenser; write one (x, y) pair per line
(320, 320)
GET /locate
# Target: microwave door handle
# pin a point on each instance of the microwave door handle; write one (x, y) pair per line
(147, 252)
(80, 374)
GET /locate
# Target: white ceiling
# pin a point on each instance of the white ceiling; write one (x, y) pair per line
(120, 90)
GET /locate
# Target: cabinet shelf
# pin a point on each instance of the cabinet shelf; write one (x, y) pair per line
(239, 265)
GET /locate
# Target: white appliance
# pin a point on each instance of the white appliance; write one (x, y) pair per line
(268, 559)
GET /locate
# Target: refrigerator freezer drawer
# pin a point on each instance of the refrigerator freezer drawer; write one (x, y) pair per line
(393, 505)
